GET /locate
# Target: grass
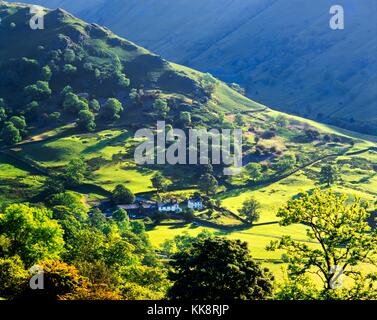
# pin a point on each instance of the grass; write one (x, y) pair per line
(137, 180)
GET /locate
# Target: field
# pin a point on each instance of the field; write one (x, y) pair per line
(289, 150)
(109, 153)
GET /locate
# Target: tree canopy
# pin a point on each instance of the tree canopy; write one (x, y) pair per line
(218, 269)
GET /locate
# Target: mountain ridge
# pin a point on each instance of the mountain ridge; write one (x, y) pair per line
(287, 57)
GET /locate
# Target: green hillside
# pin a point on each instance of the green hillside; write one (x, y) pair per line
(282, 52)
(52, 77)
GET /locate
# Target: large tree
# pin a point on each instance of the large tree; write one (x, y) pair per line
(251, 210)
(254, 171)
(218, 269)
(329, 175)
(31, 233)
(161, 108)
(74, 172)
(86, 120)
(112, 109)
(159, 182)
(208, 184)
(122, 195)
(38, 91)
(344, 241)
(73, 103)
(10, 134)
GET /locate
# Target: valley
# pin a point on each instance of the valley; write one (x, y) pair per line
(72, 97)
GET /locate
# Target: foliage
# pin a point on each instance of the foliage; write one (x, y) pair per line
(74, 172)
(112, 109)
(31, 232)
(251, 210)
(340, 228)
(254, 171)
(38, 91)
(13, 277)
(73, 104)
(208, 184)
(329, 175)
(10, 134)
(218, 269)
(86, 120)
(159, 182)
(161, 108)
(122, 195)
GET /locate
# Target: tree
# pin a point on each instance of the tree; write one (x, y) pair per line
(112, 109)
(72, 103)
(69, 200)
(3, 113)
(31, 233)
(208, 184)
(10, 134)
(66, 89)
(74, 172)
(159, 182)
(69, 56)
(239, 120)
(251, 210)
(13, 277)
(55, 116)
(86, 120)
(185, 118)
(69, 69)
(285, 163)
(60, 281)
(122, 80)
(94, 105)
(255, 171)
(120, 215)
(135, 96)
(46, 73)
(161, 108)
(19, 123)
(329, 175)
(122, 195)
(218, 269)
(54, 184)
(39, 91)
(344, 236)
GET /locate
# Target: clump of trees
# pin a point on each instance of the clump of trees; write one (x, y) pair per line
(91, 257)
(38, 91)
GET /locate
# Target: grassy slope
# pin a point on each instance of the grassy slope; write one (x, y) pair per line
(284, 53)
(53, 149)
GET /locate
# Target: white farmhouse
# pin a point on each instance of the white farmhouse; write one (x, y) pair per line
(195, 204)
(169, 207)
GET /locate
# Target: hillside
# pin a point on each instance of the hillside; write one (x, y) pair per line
(73, 68)
(282, 52)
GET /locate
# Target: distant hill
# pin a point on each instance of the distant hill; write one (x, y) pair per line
(282, 51)
(92, 64)
(76, 90)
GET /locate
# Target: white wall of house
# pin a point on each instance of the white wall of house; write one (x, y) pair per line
(194, 204)
(172, 208)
